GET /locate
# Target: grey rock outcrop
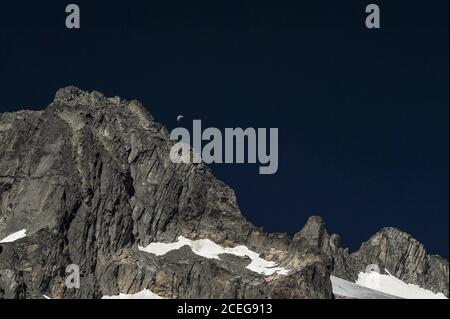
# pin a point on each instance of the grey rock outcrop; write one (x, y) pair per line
(90, 179)
(405, 258)
(390, 248)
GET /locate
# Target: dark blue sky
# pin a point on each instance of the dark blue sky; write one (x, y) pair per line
(363, 114)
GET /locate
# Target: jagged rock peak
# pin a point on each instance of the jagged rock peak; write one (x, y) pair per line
(315, 233)
(90, 180)
(392, 233)
(75, 99)
(73, 96)
(406, 258)
(390, 248)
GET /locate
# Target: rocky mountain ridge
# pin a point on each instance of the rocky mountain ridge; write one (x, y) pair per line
(91, 180)
(390, 248)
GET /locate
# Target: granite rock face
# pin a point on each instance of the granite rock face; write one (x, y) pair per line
(390, 249)
(90, 179)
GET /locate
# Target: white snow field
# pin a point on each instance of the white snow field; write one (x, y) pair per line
(14, 236)
(373, 285)
(349, 289)
(391, 285)
(208, 249)
(143, 294)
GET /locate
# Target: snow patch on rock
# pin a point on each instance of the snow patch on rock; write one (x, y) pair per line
(14, 236)
(345, 288)
(391, 285)
(208, 249)
(143, 294)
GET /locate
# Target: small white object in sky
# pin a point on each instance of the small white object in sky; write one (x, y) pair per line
(208, 249)
(143, 294)
(15, 236)
(180, 118)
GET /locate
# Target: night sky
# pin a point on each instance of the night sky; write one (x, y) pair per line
(363, 115)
